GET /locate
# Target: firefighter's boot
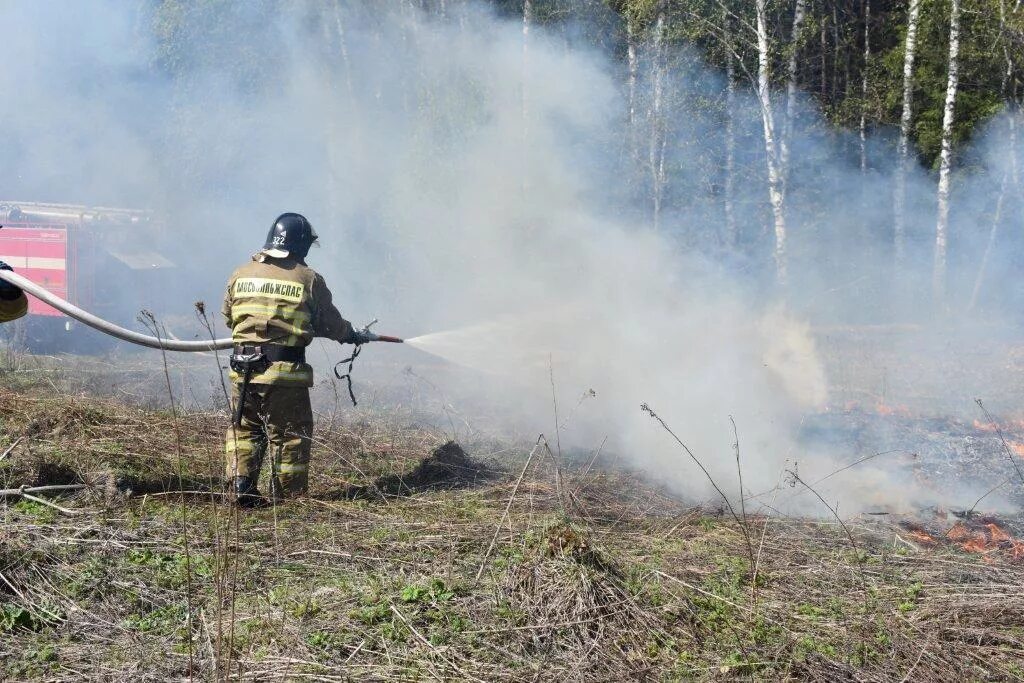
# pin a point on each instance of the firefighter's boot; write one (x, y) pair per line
(244, 493)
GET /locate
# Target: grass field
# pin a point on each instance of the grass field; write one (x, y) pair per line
(497, 565)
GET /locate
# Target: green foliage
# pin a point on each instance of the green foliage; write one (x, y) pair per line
(170, 569)
(164, 620)
(15, 617)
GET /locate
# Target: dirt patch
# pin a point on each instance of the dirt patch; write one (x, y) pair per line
(447, 467)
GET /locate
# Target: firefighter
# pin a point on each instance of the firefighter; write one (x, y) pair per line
(13, 303)
(275, 306)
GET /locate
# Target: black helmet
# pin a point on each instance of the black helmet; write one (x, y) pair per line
(291, 235)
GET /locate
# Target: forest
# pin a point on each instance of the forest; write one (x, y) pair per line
(774, 136)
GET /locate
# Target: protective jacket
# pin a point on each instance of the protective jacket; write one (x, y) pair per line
(14, 307)
(281, 301)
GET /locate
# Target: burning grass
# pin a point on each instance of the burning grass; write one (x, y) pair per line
(592, 575)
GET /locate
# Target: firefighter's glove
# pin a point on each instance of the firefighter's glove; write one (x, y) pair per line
(7, 290)
(363, 337)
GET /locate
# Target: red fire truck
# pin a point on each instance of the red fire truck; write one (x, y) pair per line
(101, 259)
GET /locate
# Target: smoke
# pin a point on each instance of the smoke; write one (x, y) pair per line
(466, 185)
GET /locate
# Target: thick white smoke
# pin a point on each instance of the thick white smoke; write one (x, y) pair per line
(459, 181)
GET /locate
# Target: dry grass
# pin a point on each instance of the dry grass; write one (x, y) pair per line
(594, 577)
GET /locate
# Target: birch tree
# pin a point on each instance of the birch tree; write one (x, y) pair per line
(633, 70)
(1010, 175)
(731, 232)
(864, 91)
(775, 181)
(946, 156)
(657, 139)
(903, 148)
(863, 128)
(525, 101)
(791, 73)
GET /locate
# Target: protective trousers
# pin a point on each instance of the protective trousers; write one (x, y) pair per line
(279, 418)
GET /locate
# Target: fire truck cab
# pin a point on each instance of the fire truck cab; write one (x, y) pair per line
(101, 259)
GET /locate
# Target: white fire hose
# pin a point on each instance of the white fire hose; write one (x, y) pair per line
(108, 327)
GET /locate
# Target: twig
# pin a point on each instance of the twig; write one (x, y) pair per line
(11, 447)
(796, 478)
(558, 474)
(916, 662)
(508, 506)
(42, 489)
(992, 490)
(583, 483)
(554, 405)
(149, 320)
(66, 511)
(760, 547)
(419, 636)
(647, 409)
(743, 505)
(717, 597)
(1006, 448)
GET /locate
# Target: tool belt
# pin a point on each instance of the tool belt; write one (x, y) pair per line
(251, 359)
(258, 354)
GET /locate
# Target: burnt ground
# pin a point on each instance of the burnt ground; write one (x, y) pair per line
(457, 569)
(949, 458)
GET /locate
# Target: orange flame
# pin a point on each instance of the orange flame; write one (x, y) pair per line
(1011, 426)
(986, 539)
(882, 408)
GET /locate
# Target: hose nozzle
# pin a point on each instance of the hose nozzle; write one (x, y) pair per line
(371, 337)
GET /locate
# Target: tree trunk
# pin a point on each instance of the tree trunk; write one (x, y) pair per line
(791, 73)
(903, 149)
(731, 232)
(946, 157)
(633, 70)
(864, 226)
(775, 184)
(864, 92)
(836, 51)
(824, 52)
(656, 143)
(527, 17)
(525, 102)
(1010, 173)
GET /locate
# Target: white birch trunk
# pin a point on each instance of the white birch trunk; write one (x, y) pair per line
(864, 92)
(633, 70)
(656, 143)
(864, 225)
(731, 232)
(946, 157)
(527, 18)
(1010, 173)
(903, 148)
(824, 52)
(791, 73)
(775, 189)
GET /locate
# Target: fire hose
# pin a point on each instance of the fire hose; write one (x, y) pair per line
(113, 330)
(108, 327)
(245, 365)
